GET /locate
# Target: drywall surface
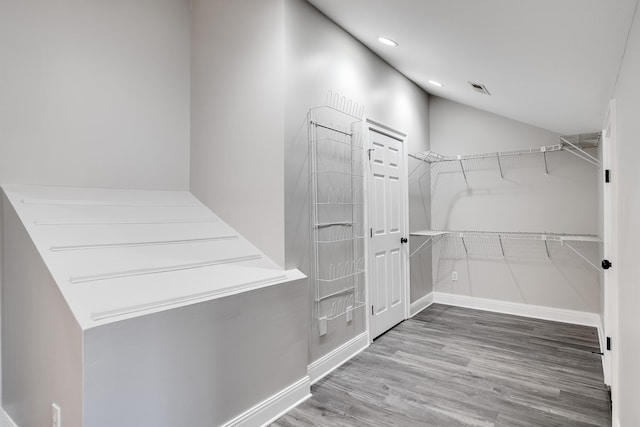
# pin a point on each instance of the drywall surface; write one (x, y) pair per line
(95, 93)
(41, 341)
(320, 56)
(627, 98)
(526, 199)
(200, 365)
(237, 156)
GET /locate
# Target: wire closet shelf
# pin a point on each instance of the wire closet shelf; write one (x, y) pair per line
(574, 144)
(337, 174)
(503, 240)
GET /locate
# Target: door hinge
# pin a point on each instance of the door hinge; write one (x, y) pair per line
(372, 310)
(609, 343)
(607, 175)
(371, 232)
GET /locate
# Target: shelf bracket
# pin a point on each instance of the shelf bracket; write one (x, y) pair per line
(464, 245)
(499, 165)
(582, 256)
(425, 243)
(501, 247)
(546, 166)
(464, 174)
(546, 246)
(422, 161)
(580, 153)
(423, 247)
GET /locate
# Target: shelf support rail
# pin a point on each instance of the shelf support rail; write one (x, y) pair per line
(582, 256)
(580, 153)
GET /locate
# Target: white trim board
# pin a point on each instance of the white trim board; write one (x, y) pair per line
(5, 420)
(269, 410)
(602, 340)
(420, 304)
(518, 309)
(333, 360)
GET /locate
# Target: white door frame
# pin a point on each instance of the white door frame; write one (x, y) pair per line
(403, 138)
(610, 239)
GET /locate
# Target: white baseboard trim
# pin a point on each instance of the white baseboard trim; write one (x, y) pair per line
(518, 309)
(274, 407)
(332, 361)
(5, 420)
(420, 304)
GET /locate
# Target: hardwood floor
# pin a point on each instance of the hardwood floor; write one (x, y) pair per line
(451, 366)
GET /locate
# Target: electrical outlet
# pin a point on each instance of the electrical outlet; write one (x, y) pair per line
(56, 416)
(454, 276)
(349, 314)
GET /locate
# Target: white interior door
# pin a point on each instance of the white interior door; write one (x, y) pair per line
(387, 221)
(610, 201)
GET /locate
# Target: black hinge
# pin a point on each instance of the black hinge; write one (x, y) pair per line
(607, 175)
(371, 232)
(609, 343)
(372, 310)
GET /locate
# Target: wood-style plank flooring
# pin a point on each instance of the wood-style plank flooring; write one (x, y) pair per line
(451, 366)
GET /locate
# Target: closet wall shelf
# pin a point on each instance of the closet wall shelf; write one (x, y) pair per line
(574, 144)
(559, 237)
(564, 239)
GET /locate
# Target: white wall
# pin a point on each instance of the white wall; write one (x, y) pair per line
(320, 56)
(41, 340)
(95, 93)
(237, 156)
(525, 200)
(627, 97)
(237, 352)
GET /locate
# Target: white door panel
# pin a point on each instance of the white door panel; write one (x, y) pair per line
(387, 181)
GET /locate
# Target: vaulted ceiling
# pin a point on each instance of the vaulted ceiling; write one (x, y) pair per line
(549, 63)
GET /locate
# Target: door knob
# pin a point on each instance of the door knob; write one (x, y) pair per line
(403, 240)
(606, 264)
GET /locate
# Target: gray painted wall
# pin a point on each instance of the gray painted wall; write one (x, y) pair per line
(320, 56)
(237, 124)
(525, 200)
(41, 340)
(199, 365)
(95, 93)
(627, 97)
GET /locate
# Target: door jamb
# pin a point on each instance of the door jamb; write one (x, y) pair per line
(610, 251)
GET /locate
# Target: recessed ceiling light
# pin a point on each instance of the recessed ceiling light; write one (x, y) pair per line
(435, 83)
(387, 41)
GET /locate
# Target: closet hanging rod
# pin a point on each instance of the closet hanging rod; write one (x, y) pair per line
(330, 128)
